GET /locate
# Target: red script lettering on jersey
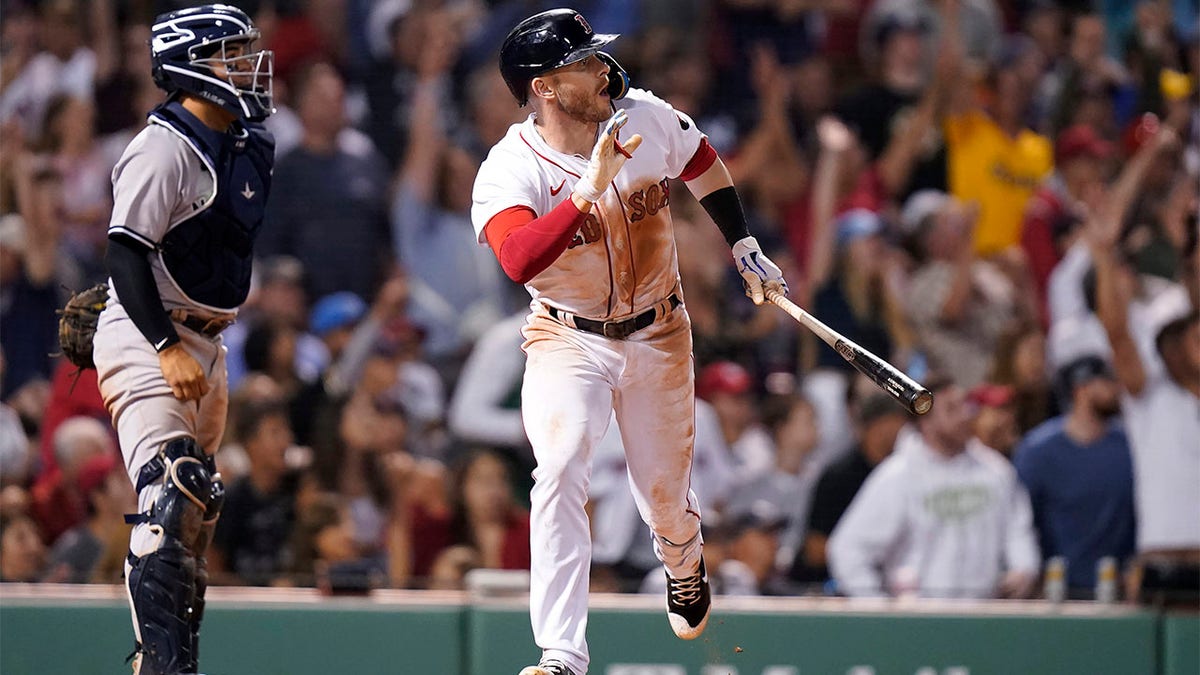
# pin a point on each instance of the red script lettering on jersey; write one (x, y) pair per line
(649, 201)
(590, 231)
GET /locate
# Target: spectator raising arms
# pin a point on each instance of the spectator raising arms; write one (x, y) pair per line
(1161, 403)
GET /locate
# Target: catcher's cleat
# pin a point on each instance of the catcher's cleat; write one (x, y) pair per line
(688, 603)
(551, 667)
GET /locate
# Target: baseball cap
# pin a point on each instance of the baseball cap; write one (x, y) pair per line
(759, 514)
(282, 269)
(989, 395)
(94, 472)
(722, 377)
(896, 22)
(336, 310)
(381, 22)
(1080, 371)
(857, 223)
(919, 207)
(1079, 141)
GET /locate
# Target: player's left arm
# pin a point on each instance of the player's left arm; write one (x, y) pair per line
(707, 178)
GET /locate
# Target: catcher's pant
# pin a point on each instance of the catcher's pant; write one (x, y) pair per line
(144, 411)
(573, 382)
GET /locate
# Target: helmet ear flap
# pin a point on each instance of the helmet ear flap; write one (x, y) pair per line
(618, 79)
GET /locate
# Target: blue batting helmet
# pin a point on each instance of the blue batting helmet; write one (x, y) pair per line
(190, 52)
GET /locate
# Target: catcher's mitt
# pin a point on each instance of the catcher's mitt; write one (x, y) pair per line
(77, 324)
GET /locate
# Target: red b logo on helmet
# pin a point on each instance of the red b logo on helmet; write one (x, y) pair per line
(583, 22)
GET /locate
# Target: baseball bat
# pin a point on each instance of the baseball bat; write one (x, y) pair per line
(909, 393)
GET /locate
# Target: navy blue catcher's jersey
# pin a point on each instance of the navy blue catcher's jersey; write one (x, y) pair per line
(208, 254)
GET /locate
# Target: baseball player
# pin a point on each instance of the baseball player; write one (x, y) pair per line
(188, 200)
(574, 202)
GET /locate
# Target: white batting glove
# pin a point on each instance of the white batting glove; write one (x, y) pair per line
(757, 270)
(608, 156)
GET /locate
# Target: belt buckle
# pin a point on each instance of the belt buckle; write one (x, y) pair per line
(617, 330)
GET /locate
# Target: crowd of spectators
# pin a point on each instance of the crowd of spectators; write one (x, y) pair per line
(998, 196)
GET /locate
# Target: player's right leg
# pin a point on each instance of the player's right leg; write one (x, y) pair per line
(566, 407)
(176, 494)
(167, 446)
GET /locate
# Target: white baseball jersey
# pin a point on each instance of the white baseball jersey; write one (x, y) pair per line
(622, 260)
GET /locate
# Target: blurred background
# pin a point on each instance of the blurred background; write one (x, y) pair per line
(935, 178)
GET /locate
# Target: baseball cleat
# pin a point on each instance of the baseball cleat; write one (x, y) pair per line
(688, 603)
(551, 667)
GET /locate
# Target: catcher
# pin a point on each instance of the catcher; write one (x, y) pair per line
(188, 200)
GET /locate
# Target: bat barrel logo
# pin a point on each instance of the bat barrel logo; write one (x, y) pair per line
(845, 350)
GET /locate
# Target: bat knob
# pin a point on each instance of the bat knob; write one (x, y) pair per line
(922, 402)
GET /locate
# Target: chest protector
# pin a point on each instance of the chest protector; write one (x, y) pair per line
(209, 254)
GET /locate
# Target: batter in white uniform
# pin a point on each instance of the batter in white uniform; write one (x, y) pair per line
(575, 204)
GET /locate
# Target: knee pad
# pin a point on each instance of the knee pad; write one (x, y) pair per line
(182, 506)
(163, 581)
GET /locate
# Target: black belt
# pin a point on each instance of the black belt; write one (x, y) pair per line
(617, 330)
(207, 327)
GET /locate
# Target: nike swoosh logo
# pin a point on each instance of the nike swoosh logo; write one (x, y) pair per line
(555, 191)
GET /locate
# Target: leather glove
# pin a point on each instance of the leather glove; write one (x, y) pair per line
(757, 270)
(77, 324)
(608, 156)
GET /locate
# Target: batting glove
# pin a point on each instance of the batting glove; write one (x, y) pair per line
(608, 156)
(757, 270)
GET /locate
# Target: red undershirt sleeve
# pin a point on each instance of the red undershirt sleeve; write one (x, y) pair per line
(526, 245)
(703, 158)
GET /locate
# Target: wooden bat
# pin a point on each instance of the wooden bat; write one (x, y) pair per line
(909, 393)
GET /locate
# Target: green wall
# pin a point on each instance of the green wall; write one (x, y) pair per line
(1180, 645)
(362, 637)
(499, 641)
(240, 640)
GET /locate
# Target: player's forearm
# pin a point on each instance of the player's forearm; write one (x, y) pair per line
(714, 188)
(129, 268)
(526, 249)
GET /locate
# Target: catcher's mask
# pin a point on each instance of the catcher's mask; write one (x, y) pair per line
(208, 51)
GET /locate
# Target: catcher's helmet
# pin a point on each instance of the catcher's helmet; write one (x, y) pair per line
(186, 44)
(550, 40)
